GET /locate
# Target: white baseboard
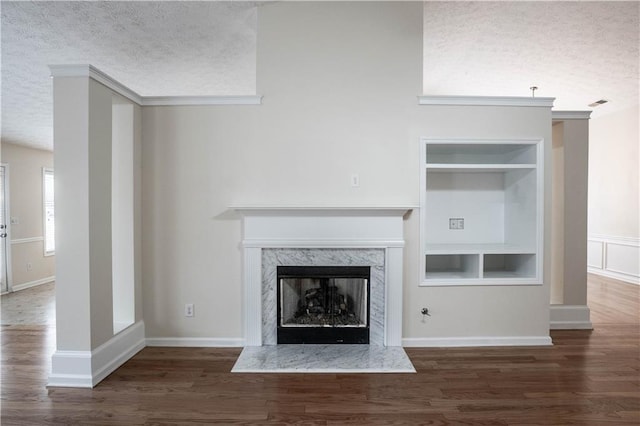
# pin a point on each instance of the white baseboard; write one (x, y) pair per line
(452, 342)
(197, 342)
(615, 275)
(30, 284)
(85, 369)
(570, 317)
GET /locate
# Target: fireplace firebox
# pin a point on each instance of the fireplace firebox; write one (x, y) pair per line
(323, 304)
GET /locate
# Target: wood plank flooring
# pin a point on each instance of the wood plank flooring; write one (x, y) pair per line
(586, 378)
(31, 306)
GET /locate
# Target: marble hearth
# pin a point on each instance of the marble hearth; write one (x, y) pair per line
(322, 236)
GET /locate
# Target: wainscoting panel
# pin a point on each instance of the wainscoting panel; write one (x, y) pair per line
(614, 257)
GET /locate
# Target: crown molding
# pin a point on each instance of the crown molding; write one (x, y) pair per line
(570, 115)
(99, 76)
(300, 210)
(89, 71)
(200, 100)
(486, 101)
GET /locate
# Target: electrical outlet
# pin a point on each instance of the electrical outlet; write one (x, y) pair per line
(29, 266)
(355, 180)
(189, 310)
(456, 223)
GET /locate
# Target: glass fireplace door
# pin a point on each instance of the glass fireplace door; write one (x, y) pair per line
(323, 304)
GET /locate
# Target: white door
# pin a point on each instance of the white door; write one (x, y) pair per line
(4, 281)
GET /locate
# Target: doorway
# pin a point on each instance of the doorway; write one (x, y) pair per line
(4, 229)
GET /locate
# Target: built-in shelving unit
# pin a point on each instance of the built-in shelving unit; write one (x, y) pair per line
(481, 212)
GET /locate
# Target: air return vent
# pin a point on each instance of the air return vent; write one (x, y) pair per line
(598, 103)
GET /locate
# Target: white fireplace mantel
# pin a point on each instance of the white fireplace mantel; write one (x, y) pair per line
(322, 228)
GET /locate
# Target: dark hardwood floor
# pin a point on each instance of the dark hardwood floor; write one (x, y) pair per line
(586, 378)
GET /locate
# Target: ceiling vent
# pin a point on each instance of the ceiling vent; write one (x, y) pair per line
(598, 103)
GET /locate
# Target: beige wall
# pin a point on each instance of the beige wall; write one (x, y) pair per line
(569, 218)
(340, 83)
(25, 203)
(614, 195)
(557, 216)
(614, 180)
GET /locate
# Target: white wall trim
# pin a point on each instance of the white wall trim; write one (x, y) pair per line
(321, 227)
(570, 115)
(486, 101)
(200, 100)
(323, 243)
(570, 317)
(614, 257)
(196, 342)
(86, 70)
(85, 369)
(71, 369)
(615, 275)
(29, 284)
(630, 241)
(454, 342)
(26, 240)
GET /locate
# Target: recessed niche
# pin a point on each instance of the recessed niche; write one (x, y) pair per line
(452, 266)
(496, 189)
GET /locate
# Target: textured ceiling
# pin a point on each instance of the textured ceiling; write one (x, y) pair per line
(575, 51)
(154, 48)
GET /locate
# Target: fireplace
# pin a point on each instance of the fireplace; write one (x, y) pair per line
(320, 237)
(323, 304)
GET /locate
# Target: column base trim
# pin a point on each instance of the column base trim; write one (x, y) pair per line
(85, 369)
(570, 317)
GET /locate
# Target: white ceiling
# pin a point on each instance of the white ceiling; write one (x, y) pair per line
(574, 51)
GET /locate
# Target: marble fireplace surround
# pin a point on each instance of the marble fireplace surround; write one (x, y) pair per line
(322, 236)
(274, 257)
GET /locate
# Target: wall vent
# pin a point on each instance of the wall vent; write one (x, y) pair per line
(598, 103)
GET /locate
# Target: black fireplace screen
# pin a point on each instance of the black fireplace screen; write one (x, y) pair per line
(323, 304)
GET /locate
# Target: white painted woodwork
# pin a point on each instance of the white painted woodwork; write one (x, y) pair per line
(614, 257)
(570, 317)
(496, 186)
(108, 81)
(486, 101)
(322, 227)
(570, 115)
(85, 369)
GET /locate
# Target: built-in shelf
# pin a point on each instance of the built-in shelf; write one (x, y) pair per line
(494, 190)
(461, 168)
(452, 266)
(478, 249)
(509, 266)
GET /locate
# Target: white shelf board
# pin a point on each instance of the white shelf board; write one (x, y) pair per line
(450, 275)
(429, 281)
(446, 167)
(505, 274)
(431, 249)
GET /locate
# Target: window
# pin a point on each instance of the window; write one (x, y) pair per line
(48, 212)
